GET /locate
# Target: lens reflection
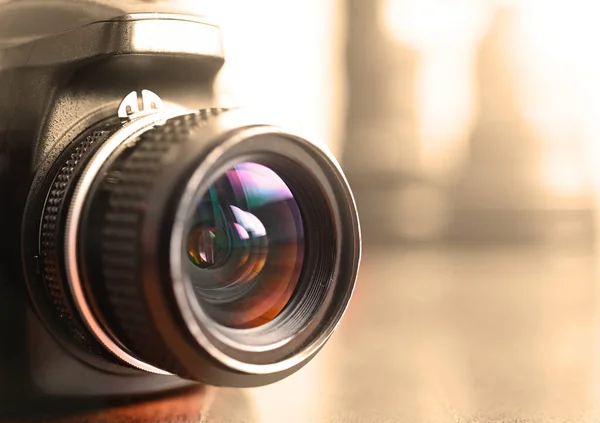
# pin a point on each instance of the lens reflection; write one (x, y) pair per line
(245, 247)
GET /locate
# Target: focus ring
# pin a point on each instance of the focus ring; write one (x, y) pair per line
(119, 213)
(51, 241)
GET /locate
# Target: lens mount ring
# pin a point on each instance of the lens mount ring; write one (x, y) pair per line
(129, 132)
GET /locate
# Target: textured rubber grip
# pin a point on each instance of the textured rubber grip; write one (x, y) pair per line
(51, 242)
(126, 187)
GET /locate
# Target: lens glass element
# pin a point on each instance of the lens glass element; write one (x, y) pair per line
(245, 247)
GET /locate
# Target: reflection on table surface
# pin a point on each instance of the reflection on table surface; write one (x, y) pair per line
(434, 335)
(456, 335)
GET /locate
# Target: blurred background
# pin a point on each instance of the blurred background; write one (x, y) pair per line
(473, 121)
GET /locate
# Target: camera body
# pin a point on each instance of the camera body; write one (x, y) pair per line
(52, 87)
(150, 238)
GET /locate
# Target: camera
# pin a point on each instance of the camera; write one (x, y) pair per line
(149, 237)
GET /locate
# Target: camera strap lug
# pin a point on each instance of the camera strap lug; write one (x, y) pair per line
(129, 109)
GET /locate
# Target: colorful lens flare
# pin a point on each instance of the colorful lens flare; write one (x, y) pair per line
(245, 247)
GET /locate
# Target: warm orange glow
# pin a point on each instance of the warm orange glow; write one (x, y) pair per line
(558, 74)
(446, 35)
(561, 88)
(285, 58)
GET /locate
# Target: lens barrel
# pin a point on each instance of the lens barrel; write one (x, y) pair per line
(204, 244)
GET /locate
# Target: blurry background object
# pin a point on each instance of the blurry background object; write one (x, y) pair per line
(464, 125)
(285, 58)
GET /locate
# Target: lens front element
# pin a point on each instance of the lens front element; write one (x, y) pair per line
(245, 247)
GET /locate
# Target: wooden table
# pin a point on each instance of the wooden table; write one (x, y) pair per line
(433, 335)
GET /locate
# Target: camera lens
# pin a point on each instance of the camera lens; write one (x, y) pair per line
(202, 244)
(245, 246)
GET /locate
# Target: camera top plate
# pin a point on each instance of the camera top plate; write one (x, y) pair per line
(141, 34)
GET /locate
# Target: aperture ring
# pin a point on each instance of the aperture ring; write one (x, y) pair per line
(128, 133)
(117, 209)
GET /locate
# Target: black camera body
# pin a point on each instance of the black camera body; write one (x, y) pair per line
(51, 89)
(111, 280)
